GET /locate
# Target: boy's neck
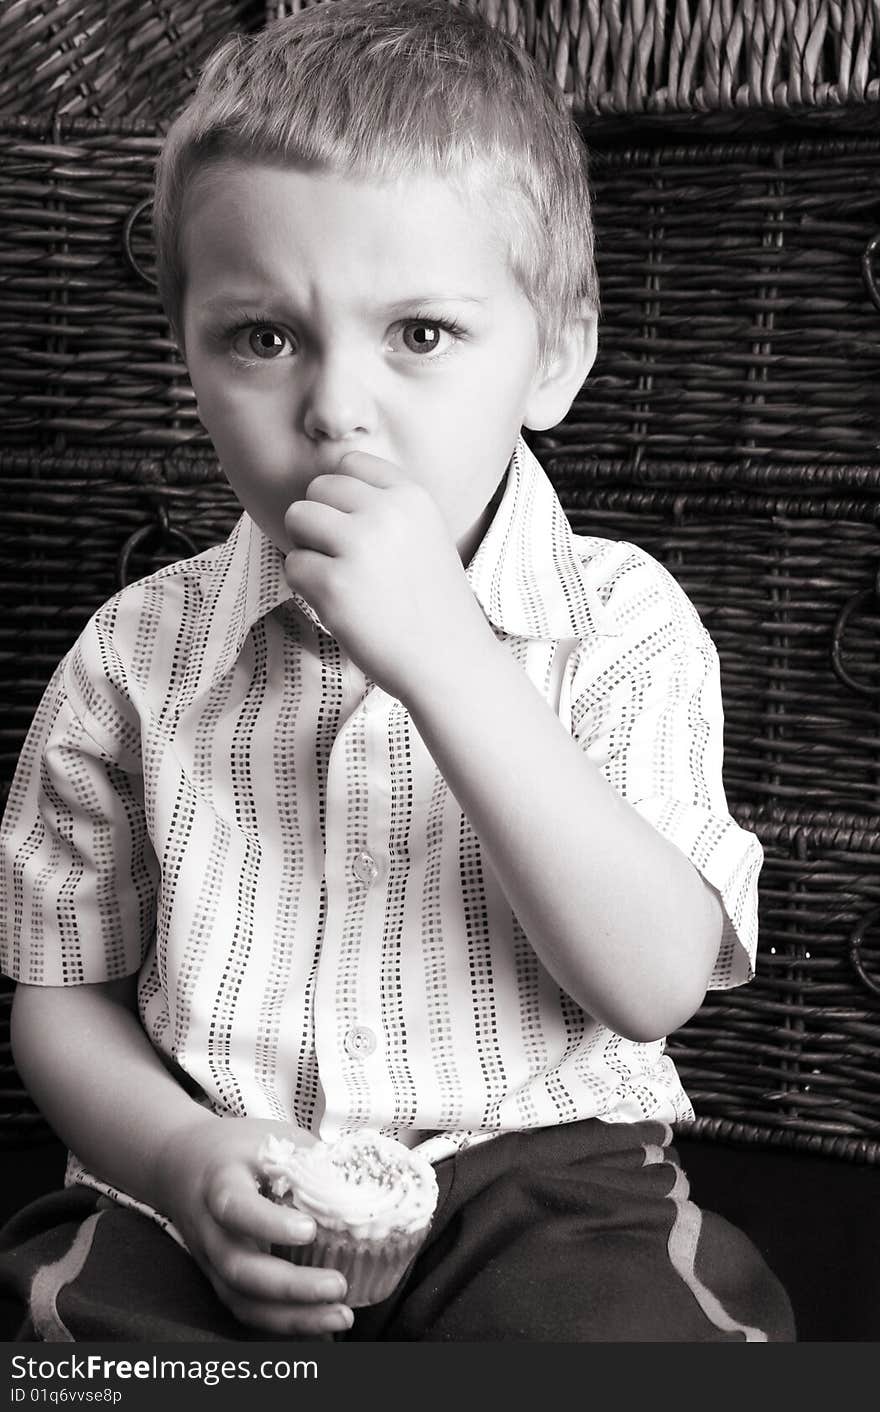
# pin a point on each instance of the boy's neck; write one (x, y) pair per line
(473, 539)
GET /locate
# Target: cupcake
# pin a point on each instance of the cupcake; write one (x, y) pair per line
(372, 1200)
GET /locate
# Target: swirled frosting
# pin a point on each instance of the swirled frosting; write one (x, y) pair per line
(364, 1183)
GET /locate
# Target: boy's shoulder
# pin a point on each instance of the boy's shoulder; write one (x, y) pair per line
(637, 592)
(617, 567)
(165, 601)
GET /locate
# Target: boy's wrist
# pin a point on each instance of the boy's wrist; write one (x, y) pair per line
(451, 665)
(164, 1174)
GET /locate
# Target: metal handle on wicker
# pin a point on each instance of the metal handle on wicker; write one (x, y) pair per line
(872, 249)
(855, 946)
(858, 600)
(160, 527)
(127, 229)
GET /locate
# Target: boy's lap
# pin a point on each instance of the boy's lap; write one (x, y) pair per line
(561, 1235)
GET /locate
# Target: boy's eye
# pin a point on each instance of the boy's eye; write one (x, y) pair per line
(265, 341)
(421, 337)
(425, 336)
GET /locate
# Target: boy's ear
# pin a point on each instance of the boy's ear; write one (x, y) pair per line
(561, 377)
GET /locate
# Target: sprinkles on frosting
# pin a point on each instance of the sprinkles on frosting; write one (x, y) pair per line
(365, 1182)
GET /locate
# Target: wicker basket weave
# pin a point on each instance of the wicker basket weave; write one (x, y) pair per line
(738, 322)
(793, 1059)
(88, 353)
(106, 58)
(656, 56)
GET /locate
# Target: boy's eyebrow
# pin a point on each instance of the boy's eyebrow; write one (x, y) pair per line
(241, 299)
(399, 305)
(228, 299)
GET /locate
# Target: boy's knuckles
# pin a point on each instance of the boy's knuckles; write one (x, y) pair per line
(320, 486)
(237, 1271)
(285, 1311)
(223, 1202)
(303, 569)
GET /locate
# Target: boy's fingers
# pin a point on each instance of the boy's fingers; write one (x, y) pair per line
(253, 1274)
(292, 1320)
(313, 524)
(306, 570)
(344, 492)
(242, 1211)
(375, 470)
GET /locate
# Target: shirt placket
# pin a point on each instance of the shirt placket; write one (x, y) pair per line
(349, 1038)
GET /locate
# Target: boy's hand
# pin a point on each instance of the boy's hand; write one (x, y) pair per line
(372, 555)
(208, 1177)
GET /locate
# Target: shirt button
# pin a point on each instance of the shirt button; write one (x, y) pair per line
(360, 1042)
(364, 868)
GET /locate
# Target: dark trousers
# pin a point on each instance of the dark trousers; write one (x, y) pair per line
(578, 1234)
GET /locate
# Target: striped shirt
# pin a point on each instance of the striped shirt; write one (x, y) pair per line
(212, 796)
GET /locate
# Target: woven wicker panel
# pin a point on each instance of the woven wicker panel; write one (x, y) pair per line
(87, 356)
(107, 58)
(793, 1058)
(785, 582)
(652, 56)
(737, 323)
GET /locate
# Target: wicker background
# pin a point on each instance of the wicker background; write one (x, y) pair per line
(737, 321)
(136, 58)
(675, 56)
(731, 426)
(797, 1059)
(110, 58)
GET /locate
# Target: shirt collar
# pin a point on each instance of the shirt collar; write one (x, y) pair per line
(527, 575)
(246, 584)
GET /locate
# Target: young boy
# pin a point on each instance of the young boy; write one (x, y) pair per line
(402, 808)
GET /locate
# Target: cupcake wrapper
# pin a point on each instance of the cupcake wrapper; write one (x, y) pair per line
(372, 1268)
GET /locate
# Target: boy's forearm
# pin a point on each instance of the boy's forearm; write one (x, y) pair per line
(88, 1064)
(618, 915)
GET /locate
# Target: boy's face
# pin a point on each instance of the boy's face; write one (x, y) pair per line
(326, 314)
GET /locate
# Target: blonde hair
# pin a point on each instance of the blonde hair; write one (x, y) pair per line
(391, 88)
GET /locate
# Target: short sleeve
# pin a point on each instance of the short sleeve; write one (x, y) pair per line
(77, 872)
(646, 706)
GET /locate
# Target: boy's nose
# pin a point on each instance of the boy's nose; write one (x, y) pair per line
(338, 403)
